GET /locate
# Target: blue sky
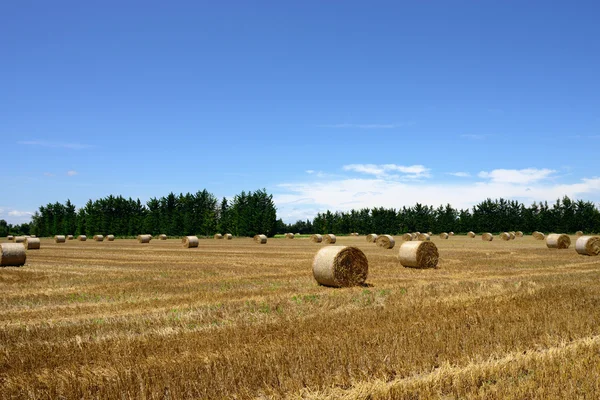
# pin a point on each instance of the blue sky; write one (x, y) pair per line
(327, 105)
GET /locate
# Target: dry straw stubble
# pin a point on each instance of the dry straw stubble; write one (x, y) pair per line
(189, 241)
(260, 239)
(32, 243)
(12, 254)
(386, 242)
(329, 238)
(558, 241)
(340, 266)
(418, 254)
(588, 245)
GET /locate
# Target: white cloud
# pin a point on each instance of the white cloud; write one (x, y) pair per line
(309, 171)
(384, 170)
(518, 176)
(71, 173)
(44, 143)
(459, 174)
(16, 213)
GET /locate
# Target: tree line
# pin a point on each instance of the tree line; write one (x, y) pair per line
(201, 213)
(499, 215)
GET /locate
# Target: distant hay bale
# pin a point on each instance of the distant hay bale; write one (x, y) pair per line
(451, 233)
(289, 235)
(189, 241)
(444, 235)
(423, 237)
(558, 241)
(10, 237)
(407, 237)
(505, 236)
(316, 238)
(218, 236)
(162, 236)
(12, 254)
(538, 235)
(228, 236)
(297, 234)
(471, 234)
(418, 254)
(82, 238)
(578, 233)
(430, 233)
(415, 235)
(70, 237)
(33, 236)
(512, 235)
(144, 238)
(588, 245)
(260, 239)
(329, 238)
(487, 237)
(340, 266)
(20, 239)
(60, 239)
(371, 238)
(32, 243)
(98, 238)
(519, 234)
(385, 241)
(110, 238)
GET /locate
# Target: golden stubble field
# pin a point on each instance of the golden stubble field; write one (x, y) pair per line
(234, 319)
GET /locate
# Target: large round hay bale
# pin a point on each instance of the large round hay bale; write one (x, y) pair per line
(423, 237)
(70, 237)
(505, 236)
(218, 236)
(20, 239)
(228, 236)
(261, 239)
(385, 241)
(162, 236)
(189, 241)
(98, 238)
(289, 235)
(10, 237)
(60, 239)
(420, 254)
(578, 233)
(588, 245)
(371, 238)
(12, 254)
(110, 238)
(407, 237)
(82, 238)
(316, 238)
(31, 243)
(444, 235)
(144, 238)
(471, 234)
(487, 237)
(558, 241)
(519, 234)
(329, 238)
(340, 266)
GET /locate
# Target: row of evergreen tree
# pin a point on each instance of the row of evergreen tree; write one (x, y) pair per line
(249, 213)
(500, 215)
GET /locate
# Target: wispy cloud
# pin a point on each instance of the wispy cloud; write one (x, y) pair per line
(518, 176)
(16, 213)
(390, 170)
(56, 145)
(476, 136)
(363, 126)
(459, 174)
(71, 173)
(48, 174)
(310, 171)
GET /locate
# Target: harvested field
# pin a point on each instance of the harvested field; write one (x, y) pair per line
(230, 319)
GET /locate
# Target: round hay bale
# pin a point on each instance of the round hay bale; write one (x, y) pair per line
(451, 233)
(418, 254)
(407, 237)
(588, 245)
(144, 238)
(297, 234)
(189, 241)
(110, 238)
(12, 254)
(218, 236)
(385, 241)
(10, 237)
(98, 238)
(505, 236)
(32, 243)
(60, 239)
(512, 235)
(558, 241)
(162, 236)
(289, 235)
(371, 238)
(340, 266)
(228, 236)
(538, 235)
(20, 239)
(260, 239)
(423, 237)
(329, 238)
(82, 238)
(430, 233)
(487, 237)
(444, 235)
(578, 233)
(316, 238)
(519, 234)
(471, 234)
(70, 237)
